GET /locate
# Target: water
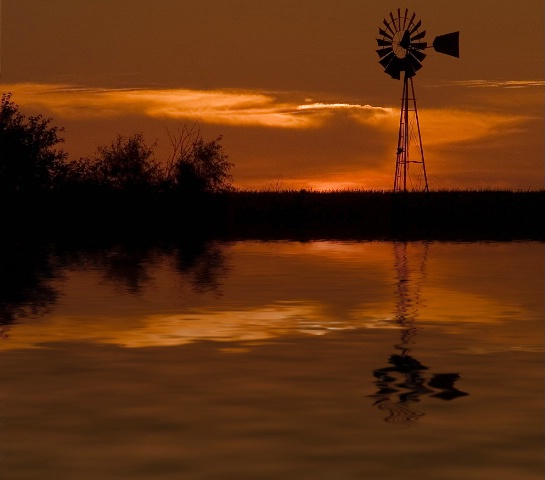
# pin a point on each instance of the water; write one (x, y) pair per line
(273, 360)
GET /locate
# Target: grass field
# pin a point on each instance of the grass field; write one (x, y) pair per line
(442, 214)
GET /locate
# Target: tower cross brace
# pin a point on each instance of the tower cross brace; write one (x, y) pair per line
(409, 176)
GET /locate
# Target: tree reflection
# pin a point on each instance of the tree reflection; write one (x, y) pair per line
(28, 270)
(130, 266)
(403, 382)
(203, 263)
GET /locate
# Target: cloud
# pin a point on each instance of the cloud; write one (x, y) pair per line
(225, 107)
(258, 109)
(449, 127)
(331, 107)
(499, 83)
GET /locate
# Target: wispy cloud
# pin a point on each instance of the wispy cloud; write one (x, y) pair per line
(342, 106)
(227, 107)
(441, 128)
(500, 83)
(448, 127)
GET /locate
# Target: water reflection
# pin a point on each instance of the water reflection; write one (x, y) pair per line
(31, 273)
(244, 360)
(141, 294)
(402, 383)
(26, 271)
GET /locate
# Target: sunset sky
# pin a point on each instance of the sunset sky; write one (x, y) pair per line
(293, 86)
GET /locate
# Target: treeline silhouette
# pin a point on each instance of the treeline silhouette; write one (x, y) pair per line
(124, 191)
(33, 162)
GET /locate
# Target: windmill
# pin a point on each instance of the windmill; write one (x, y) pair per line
(402, 50)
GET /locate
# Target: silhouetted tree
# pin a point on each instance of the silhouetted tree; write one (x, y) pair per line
(197, 166)
(29, 158)
(30, 161)
(127, 165)
(81, 175)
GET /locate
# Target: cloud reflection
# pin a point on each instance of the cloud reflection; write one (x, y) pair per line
(277, 290)
(164, 330)
(250, 325)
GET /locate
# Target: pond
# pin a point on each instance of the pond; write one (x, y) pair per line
(273, 360)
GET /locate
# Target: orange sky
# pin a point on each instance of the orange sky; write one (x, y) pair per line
(295, 88)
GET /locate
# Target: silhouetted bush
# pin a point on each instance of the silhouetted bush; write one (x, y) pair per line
(197, 166)
(126, 165)
(30, 160)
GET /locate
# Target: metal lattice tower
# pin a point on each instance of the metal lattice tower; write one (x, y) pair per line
(403, 51)
(409, 145)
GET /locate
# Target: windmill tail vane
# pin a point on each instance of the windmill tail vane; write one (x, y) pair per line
(449, 44)
(401, 49)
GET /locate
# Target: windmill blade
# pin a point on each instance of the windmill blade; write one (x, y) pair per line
(393, 19)
(387, 25)
(418, 54)
(419, 36)
(449, 44)
(419, 45)
(384, 33)
(385, 61)
(383, 43)
(409, 70)
(385, 51)
(412, 19)
(412, 63)
(405, 18)
(416, 27)
(395, 67)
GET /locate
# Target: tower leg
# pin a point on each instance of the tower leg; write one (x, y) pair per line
(409, 145)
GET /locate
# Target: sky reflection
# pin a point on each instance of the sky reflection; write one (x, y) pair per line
(298, 356)
(267, 291)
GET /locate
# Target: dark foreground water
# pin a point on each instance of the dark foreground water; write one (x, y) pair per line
(274, 360)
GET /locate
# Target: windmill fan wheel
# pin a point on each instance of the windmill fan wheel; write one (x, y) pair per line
(401, 44)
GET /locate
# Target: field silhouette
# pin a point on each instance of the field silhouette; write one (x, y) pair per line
(449, 215)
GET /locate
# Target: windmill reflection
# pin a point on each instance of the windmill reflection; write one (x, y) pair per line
(403, 382)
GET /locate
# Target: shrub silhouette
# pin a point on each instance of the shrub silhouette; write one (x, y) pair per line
(197, 166)
(126, 165)
(30, 160)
